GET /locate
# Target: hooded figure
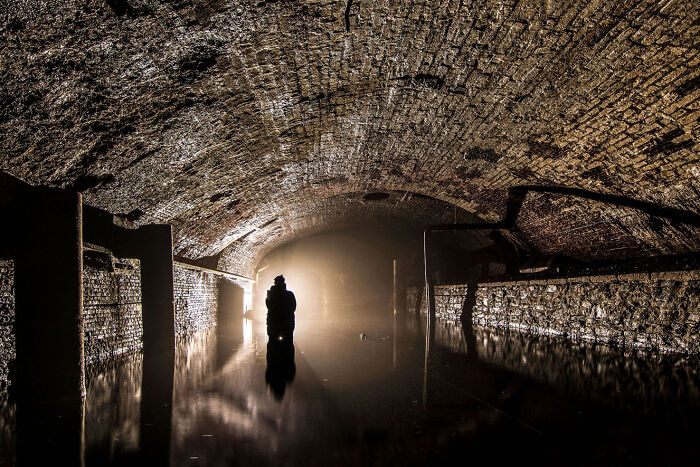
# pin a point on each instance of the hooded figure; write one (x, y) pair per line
(280, 310)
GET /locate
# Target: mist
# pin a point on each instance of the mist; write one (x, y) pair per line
(337, 272)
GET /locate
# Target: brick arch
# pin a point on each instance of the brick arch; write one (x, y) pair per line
(206, 116)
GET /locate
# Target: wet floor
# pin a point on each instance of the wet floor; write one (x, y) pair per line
(356, 389)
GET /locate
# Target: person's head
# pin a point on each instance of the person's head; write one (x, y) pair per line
(279, 280)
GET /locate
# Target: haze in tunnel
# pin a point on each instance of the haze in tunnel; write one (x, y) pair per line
(344, 268)
(489, 212)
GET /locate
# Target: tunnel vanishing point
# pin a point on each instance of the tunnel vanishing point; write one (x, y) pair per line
(153, 153)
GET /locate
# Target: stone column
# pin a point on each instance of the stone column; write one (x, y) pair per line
(50, 373)
(154, 245)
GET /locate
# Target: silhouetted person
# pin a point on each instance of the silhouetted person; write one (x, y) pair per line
(280, 329)
(280, 304)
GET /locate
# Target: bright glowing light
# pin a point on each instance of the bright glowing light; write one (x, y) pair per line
(247, 296)
(326, 273)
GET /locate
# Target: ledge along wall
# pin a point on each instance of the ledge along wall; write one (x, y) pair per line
(112, 307)
(659, 311)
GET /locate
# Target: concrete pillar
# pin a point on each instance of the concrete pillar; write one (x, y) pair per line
(50, 374)
(155, 246)
(155, 250)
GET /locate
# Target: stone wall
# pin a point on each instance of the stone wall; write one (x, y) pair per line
(658, 311)
(112, 297)
(195, 301)
(7, 317)
(112, 307)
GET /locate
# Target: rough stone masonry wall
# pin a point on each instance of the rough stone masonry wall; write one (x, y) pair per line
(195, 301)
(7, 317)
(112, 307)
(659, 310)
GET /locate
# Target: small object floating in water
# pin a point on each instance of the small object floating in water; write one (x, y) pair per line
(363, 337)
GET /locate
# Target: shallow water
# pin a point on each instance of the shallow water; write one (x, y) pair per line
(337, 398)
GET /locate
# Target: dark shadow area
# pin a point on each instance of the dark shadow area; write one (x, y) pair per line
(458, 257)
(50, 430)
(281, 368)
(454, 261)
(626, 410)
(156, 412)
(466, 319)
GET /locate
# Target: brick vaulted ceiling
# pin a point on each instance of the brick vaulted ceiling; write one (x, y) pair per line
(245, 123)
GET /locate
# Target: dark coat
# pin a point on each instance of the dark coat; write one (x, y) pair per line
(280, 306)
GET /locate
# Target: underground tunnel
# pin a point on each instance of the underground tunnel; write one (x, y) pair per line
(487, 214)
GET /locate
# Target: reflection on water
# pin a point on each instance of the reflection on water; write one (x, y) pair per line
(7, 424)
(348, 391)
(280, 366)
(634, 380)
(112, 408)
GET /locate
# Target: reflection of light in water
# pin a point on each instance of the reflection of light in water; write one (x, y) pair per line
(247, 331)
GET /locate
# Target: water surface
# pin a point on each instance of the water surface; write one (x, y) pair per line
(356, 389)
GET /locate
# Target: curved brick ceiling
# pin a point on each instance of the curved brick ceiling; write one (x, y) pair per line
(402, 211)
(220, 116)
